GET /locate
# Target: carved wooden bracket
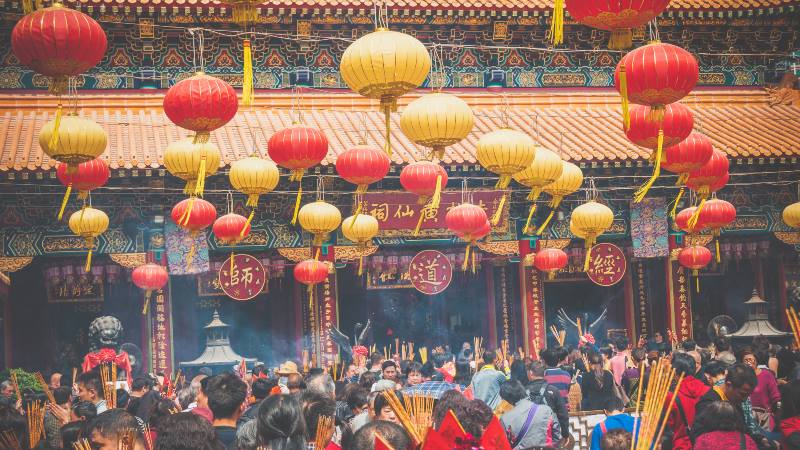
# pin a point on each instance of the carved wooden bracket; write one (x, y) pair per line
(129, 260)
(13, 264)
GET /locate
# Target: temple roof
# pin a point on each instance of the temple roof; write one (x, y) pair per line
(583, 124)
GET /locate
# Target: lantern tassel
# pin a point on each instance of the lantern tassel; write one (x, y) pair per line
(716, 247)
(674, 209)
(551, 274)
(503, 182)
(56, 125)
(697, 280)
(249, 220)
(252, 200)
(421, 219)
(189, 188)
(546, 222)
(436, 199)
(200, 185)
(557, 23)
(534, 194)
(692, 222)
(530, 216)
(387, 106)
(642, 192)
(247, 81)
(64, 201)
(232, 263)
(588, 256)
(297, 204)
(438, 152)
(499, 213)
(623, 91)
(187, 214)
(310, 298)
(88, 260)
(555, 201)
(355, 216)
(27, 6)
(472, 258)
(317, 253)
(466, 258)
(621, 39)
(361, 265)
(146, 301)
(201, 137)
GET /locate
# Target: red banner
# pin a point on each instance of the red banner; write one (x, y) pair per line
(398, 212)
(536, 338)
(680, 305)
(161, 339)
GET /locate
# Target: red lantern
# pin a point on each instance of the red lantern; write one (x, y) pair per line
(230, 229)
(150, 277)
(687, 156)
(676, 126)
(297, 148)
(202, 104)
(362, 166)
(716, 215)
(466, 221)
(550, 260)
(616, 16)
(88, 176)
(682, 221)
(194, 214)
(426, 179)
(710, 178)
(695, 258)
(311, 272)
(58, 42)
(655, 75)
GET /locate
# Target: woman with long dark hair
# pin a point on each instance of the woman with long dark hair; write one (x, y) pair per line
(280, 423)
(597, 386)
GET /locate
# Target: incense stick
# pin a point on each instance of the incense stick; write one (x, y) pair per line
(423, 354)
(35, 418)
(9, 440)
(108, 376)
(74, 375)
(127, 439)
(403, 416)
(15, 385)
(45, 388)
(651, 422)
(82, 444)
(324, 432)
(148, 437)
(420, 409)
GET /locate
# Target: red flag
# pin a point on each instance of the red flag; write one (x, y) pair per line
(451, 428)
(435, 441)
(381, 444)
(494, 437)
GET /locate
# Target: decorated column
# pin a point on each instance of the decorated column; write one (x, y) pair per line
(679, 303)
(159, 313)
(326, 303)
(531, 291)
(642, 308)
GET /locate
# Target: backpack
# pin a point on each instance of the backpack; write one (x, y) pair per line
(539, 397)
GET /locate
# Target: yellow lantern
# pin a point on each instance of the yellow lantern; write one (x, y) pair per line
(544, 170)
(569, 182)
(360, 229)
(192, 162)
(320, 219)
(88, 223)
(437, 120)
(588, 221)
(384, 65)
(791, 215)
(77, 140)
(254, 176)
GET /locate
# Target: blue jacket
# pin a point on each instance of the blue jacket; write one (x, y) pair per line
(486, 385)
(624, 421)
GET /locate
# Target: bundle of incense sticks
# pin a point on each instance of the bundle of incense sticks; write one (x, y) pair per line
(560, 335)
(410, 350)
(536, 348)
(35, 418)
(794, 323)
(148, 437)
(15, 385)
(521, 353)
(580, 329)
(9, 440)
(385, 353)
(324, 432)
(423, 354)
(403, 416)
(82, 444)
(127, 439)
(305, 361)
(420, 409)
(477, 343)
(505, 354)
(403, 352)
(373, 349)
(396, 346)
(650, 417)
(108, 376)
(45, 388)
(341, 370)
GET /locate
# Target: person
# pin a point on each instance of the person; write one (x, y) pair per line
(597, 386)
(389, 370)
(631, 376)
(681, 417)
(358, 404)
(71, 433)
(554, 375)
(226, 394)
(90, 389)
(57, 415)
(247, 436)
(83, 412)
(201, 409)
(281, 425)
(790, 415)
(186, 431)
(323, 384)
(739, 384)
(367, 379)
(392, 433)
(316, 405)
(414, 374)
(55, 381)
(617, 439)
(765, 396)
(511, 392)
(529, 424)
(108, 427)
(259, 390)
(540, 392)
(518, 371)
(381, 409)
(714, 372)
(722, 427)
(375, 360)
(295, 383)
(619, 362)
(475, 416)
(7, 390)
(616, 418)
(657, 344)
(487, 381)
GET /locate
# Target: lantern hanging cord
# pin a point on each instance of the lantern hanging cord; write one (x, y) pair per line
(653, 28)
(229, 201)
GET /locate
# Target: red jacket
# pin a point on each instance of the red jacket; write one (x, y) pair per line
(690, 392)
(790, 429)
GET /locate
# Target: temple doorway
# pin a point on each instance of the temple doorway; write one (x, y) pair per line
(566, 301)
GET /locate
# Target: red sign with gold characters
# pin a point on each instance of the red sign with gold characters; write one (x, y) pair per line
(607, 265)
(245, 280)
(430, 272)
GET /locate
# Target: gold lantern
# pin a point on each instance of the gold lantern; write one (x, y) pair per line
(360, 229)
(384, 65)
(79, 140)
(192, 163)
(254, 176)
(437, 120)
(791, 215)
(88, 223)
(588, 221)
(320, 219)
(569, 182)
(544, 170)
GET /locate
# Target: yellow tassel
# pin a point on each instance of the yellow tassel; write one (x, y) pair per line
(189, 188)
(503, 182)
(27, 6)
(623, 91)
(297, 204)
(249, 220)
(247, 81)
(530, 216)
(621, 39)
(677, 201)
(555, 201)
(232, 263)
(557, 23)
(473, 262)
(201, 177)
(588, 256)
(318, 252)
(716, 247)
(546, 222)
(682, 179)
(419, 222)
(252, 200)
(310, 297)
(437, 194)
(551, 274)
(64, 201)
(466, 258)
(56, 125)
(692, 222)
(642, 192)
(438, 152)
(360, 265)
(534, 194)
(697, 281)
(358, 211)
(187, 214)
(499, 213)
(201, 137)
(387, 116)
(361, 188)
(146, 301)
(88, 261)
(656, 114)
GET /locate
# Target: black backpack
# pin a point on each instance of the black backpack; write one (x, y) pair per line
(539, 397)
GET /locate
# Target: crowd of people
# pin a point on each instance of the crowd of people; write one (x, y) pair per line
(728, 398)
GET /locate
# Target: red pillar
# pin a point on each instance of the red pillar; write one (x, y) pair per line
(531, 291)
(630, 308)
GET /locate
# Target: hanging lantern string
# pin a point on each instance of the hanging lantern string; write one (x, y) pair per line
(194, 48)
(320, 188)
(591, 190)
(229, 201)
(464, 191)
(201, 50)
(504, 108)
(72, 93)
(536, 128)
(437, 60)
(381, 12)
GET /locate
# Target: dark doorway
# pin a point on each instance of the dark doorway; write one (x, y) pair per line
(584, 299)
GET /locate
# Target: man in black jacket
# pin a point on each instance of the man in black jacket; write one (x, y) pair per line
(260, 390)
(544, 394)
